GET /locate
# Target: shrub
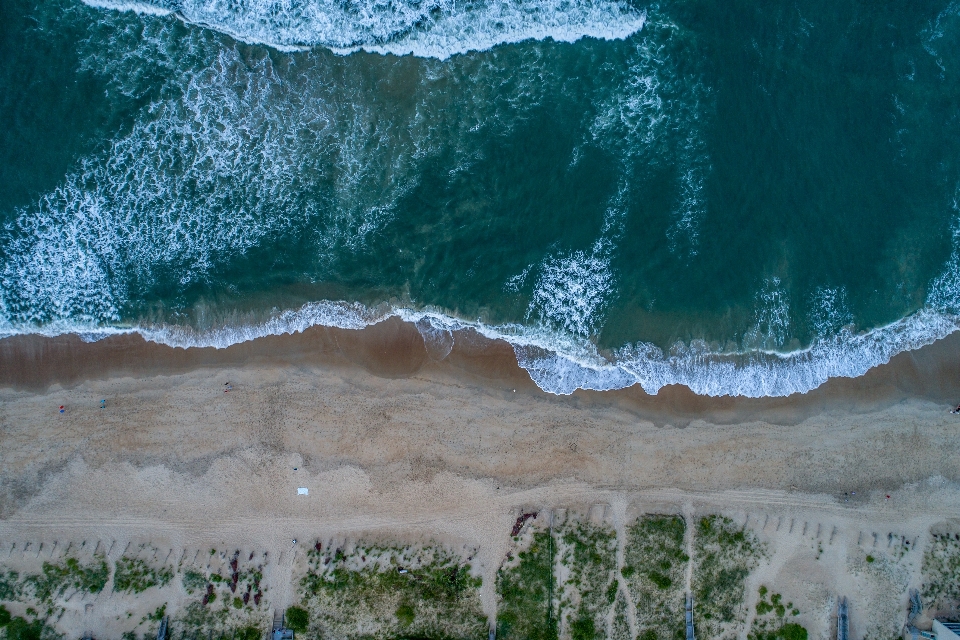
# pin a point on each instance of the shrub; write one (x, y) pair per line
(8, 585)
(20, 629)
(248, 633)
(662, 581)
(792, 631)
(583, 628)
(297, 619)
(4, 616)
(406, 614)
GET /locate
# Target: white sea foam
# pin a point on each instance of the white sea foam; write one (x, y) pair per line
(772, 322)
(431, 28)
(561, 363)
(574, 288)
(217, 169)
(830, 311)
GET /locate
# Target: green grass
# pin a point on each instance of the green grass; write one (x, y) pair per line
(590, 556)
(533, 605)
(789, 631)
(133, 575)
(391, 593)
(655, 562)
(771, 622)
(21, 629)
(8, 585)
(158, 614)
(56, 579)
(248, 633)
(724, 555)
(527, 594)
(198, 621)
(297, 618)
(194, 581)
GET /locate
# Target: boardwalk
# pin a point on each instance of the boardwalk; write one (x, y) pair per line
(843, 621)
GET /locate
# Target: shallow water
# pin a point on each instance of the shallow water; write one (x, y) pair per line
(746, 198)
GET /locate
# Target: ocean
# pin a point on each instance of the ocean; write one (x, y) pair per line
(743, 197)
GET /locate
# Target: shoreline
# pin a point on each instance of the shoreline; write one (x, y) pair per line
(394, 349)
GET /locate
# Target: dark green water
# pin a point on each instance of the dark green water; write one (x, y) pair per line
(745, 197)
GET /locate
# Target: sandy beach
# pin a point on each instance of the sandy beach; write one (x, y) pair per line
(392, 444)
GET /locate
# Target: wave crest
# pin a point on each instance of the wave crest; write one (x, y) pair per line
(426, 28)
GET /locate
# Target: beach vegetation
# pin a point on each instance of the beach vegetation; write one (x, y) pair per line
(655, 561)
(193, 581)
(565, 582)
(8, 585)
(410, 592)
(620, 625)
(405, 614)
(20, 629)
(770, 622)
(4, 616)
(297, 618)
(941, 571)
(136, 576)
(588, 554)
(583, 627)
(158, 613)
(724, 555)
(221, 621)
(249, 632)
(56, 578)
(526, 591)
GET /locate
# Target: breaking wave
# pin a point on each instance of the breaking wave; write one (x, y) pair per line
(426, 28)
(560, 363)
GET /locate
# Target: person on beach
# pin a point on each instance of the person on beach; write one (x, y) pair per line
(957, 410)
(227, 387)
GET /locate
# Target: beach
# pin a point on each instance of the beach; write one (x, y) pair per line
(392, 444)
(538, 320)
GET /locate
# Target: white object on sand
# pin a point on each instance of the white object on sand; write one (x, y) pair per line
(303, 491)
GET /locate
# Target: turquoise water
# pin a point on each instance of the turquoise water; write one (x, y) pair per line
(743, 197)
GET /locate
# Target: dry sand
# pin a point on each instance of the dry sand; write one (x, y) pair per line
(391, 443)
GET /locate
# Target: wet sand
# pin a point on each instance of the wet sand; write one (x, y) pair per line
(375, 400)
(394, 349)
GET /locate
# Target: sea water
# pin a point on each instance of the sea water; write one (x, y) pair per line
(743, 197)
